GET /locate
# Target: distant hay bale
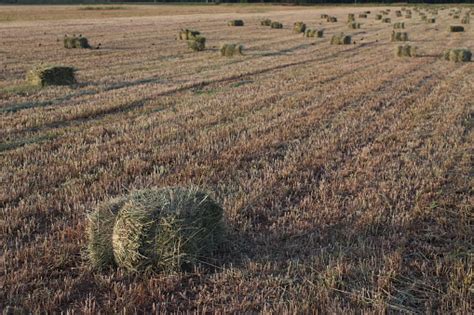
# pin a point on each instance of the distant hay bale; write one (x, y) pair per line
(341, 39)
(313, 33)
(384, 12)
(406, 51)
(167, 229)
(197, 44)
(367, 12)
(398, 13)
(235, 23)
(465, 20)
(276, 25)
(431, 20)
(186, 34)
(44, 75)
(378, 16)
(324, 16)
(229, 50)
(350, 17)
(456, 28)
(354, 25)
(458, 55)
(363, 16)
(455, 16)
(332, 19)
(386, 20)
(299, 27)
(399, 36)
(399, 25)
(408, 16)
(71, 42)
(266, 22)
(99, 233)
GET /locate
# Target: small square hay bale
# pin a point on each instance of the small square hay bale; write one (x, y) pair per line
(341, 39)
(458, 55)
(378, 16)
(71, 42)
(362, 16)
(324, 16)
(266, 22)
(197, 44)
(405, 51)
(332, 19)
(299, 27)
(456, 28)
(386, 20)
(44, 75)
(399, 25)
(354, 25)
(235, 23)
(350, 17)
(229, 50)
(276, 25)
(399, 36)
(186, 34)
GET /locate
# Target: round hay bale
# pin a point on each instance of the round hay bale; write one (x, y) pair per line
(186, 34)
(44, 75)
(99, 233)
(458, 55)
(276, 25)
(398, 13)
(266, 22)
(332, 19)
(350, 17)
(354, 25)
(456, 28)
(197, 44)
(386, 20)
(309, 33)
(299, 27)
(324, 16)
(465, 20)
(167, 229)
(341, 39)
(71, 42)
(378, 16)
(229, 50)
(431, 20)
(235, 23)
(408, 16)
(406, 51)
(399, 36)
(362, 16)
(399, 25)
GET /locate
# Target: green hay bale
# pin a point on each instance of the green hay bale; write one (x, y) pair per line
(341, 39)
(350, 17)
(71, 42)
(378, 16)
(99, 233)
(266, 22)
(299, 27)
(332, 19)
(399, 25)
(235, 23)
(363, 16)
(186, 34)
(399, 36)
(276, 25)
(324, 16)
(354, 25)
(229, 50)
(456, 28)
(458, 55)
(197, 44)
(166, 229)
(406, 51)
(386, 20)
(44, 75)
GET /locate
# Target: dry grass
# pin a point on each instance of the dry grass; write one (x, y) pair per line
(345, 174)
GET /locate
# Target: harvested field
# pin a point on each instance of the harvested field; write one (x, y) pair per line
(344, 172)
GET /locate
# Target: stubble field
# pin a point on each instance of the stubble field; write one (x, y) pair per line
(345, 172)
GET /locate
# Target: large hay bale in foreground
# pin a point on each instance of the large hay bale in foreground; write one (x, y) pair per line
(456, 28)
(44, 75)
(71, 42)
(229, 50)
(235, 23)
(299, 27)
(186, 34)
(155, 230)
(266, 22)
(405, 51)
(399, 25)
(341, 39)
(458, 55)
(399, 36)
(276, 25)
(197, 44)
